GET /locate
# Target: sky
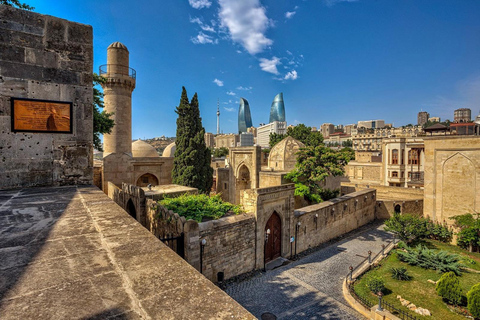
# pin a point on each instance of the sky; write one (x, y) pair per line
(336, 61)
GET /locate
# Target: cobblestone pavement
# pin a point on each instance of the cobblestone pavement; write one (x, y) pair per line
(311, 287)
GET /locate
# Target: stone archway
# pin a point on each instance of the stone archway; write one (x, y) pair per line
(146, 179)
(397, 209)
(243, 181)
(273, 243)
(130, 208)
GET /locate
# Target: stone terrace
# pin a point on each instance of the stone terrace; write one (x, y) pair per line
(71, 252)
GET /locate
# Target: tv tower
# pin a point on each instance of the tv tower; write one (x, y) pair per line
(218, 116)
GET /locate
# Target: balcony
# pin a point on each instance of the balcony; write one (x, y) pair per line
(111, 70)
(416, 179)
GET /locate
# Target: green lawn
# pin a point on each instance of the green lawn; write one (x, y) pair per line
(418, 290)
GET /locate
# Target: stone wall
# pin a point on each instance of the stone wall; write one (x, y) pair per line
(322, 222)
(47, 58)
(230, 246)
(452, 177)
(385, 192)
(222, 181)
(272, 178)
(131, 199)
(362, 172)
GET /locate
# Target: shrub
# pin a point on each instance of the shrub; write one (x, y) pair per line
(199, 206)
(439, 260)
(401, 245)
(448, 287)
(439, 232)
(400, 274)
(375, 284)
(407, 227)
(469, 234)
(473, 298)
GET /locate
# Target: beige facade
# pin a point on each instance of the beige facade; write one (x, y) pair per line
(373, 141)
(226, 140)
(452, 177)
(327, 129)
(403, 162)
(283, 156)
(209, 140)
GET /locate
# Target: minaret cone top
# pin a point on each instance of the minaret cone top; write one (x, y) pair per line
(117, 45)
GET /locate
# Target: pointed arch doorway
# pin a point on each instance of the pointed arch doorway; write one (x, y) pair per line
(273, 243)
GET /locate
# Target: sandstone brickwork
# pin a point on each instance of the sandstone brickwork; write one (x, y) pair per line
(452, 177)
(47, 58)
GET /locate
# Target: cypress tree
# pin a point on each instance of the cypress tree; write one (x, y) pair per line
(191, 165)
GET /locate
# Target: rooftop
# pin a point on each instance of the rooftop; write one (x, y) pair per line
(71, 252)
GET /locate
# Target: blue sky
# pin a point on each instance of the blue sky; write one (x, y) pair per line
(335, 61)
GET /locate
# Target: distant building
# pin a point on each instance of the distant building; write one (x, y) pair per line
(434, 119)
(246, 139)
(314, 129)
(209, 140)
(422, 118)
(244, 116)
(253, 131)
(371, 124)
(277, 110)
(337, 139)
(348, 128)
(226, 140)
(327, 129)
(373, 141)
(462, 115)
(263, 132)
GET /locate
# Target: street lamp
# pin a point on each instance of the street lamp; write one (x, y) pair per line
(202, 249)
(267, 233)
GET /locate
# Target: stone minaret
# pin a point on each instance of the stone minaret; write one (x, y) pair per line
(218, 116)
(118, 99)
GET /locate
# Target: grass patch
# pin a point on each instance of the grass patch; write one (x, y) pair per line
(418, 290)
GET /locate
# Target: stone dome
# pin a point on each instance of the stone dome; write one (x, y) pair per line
(477, 119)
(283, 156)
(117, 45)
(142, 149)
(169, 150)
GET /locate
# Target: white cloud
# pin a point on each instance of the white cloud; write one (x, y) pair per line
(289, 52)
(292, 75)
(231, 93)
(203, 26)
(246, 22)
(203, 38)
(244, 88)
(229, 109)
(218, 82)
(200, 4)
(289, 14)
(270, 65)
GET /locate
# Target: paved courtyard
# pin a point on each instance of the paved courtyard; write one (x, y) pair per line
(311, 287)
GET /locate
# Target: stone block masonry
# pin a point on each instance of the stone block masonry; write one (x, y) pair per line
(47, 58)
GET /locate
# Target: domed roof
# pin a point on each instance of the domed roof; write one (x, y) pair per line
(169, 150)
(283, 156)
(142, 149)
(477, 119)
(118, 45)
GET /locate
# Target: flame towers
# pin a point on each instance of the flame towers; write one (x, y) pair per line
(244, 117)
(277, 110)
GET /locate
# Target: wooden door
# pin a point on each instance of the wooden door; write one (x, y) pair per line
(273, 245)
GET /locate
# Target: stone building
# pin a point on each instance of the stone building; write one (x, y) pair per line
(422, 118)
(46, 73)
(371, 124)
(373, 141)
(327, 129)
(136, 163)
(452, 177)
(462, 115)
(226, 140)
(209, 140)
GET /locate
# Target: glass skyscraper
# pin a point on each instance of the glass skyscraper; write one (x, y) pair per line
(277, 111)
(244, 117)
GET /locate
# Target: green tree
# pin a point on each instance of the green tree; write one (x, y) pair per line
(448, 287)
(102, 121)
(347, 143)
(16, 4)
(191, 163)
(301, 133)
(314, 165)
(375, 284)
(469, 234)
(220, 152)
(473, 299)
(407, 227)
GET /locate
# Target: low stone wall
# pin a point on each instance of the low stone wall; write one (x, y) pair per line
(385, 192)
(322, 222)
(229, 248)
(131, 198)
(385, 208)
(162, 222)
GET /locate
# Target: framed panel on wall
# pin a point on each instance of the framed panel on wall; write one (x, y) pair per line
(32, 115)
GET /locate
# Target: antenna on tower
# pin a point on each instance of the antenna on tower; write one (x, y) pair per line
(218, 116)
